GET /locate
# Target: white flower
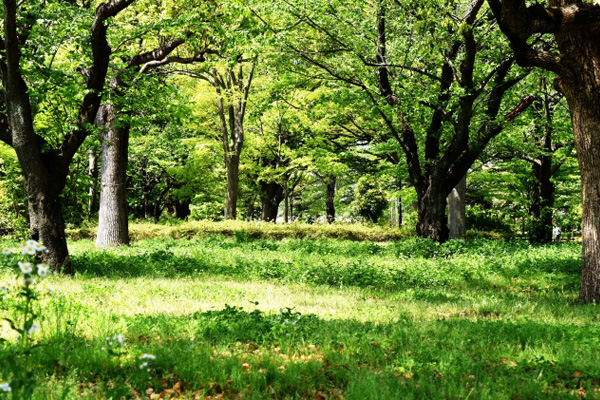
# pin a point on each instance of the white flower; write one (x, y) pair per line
(120, 338)
(27, 250)
(42, 269)
(29, 281)
(34, 327)
(147, 356)
(25, 267)
(6, 251)
(5, 386)
(28, 247)
(40, 247)
(143, 365)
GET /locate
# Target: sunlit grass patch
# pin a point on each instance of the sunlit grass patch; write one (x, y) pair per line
(259, 319)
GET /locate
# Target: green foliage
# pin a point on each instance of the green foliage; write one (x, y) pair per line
(369, 199)
(488, 220)
(12, 195)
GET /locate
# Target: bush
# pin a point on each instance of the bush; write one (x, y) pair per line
(482, 220)
(242, 230)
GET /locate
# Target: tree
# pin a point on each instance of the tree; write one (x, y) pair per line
(44, 163)
(545, 142)
(369, 199)
(575, 27)
(443, 131)
(144, 53)
(232, 87)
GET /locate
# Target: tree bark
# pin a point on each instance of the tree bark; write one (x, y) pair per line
(47, 224)
(542, 201)
(272, 195)
(457, 218)
(93, 174)
(113, 225)
(182, 209)
(286, 202)
(330, 199)
(233, 184)
(432, 213)
(579, 81)
(584, 104)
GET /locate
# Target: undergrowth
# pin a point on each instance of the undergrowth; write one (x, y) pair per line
(253, 230)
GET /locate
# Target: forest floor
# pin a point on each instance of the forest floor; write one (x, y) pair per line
(242, 318)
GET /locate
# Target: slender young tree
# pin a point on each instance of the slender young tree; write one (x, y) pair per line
(232, 87)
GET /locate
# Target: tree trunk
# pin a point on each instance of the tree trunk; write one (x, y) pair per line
(457, 218)
(160, 204)
(249, 215)
(182, 209)
(112, 218)
(431, 221)
(93, 174)
(286, 201)
(585, 112)
(330, 199)
(542, 201)
(272, 195)
(399, 208)
(580, 84)
(47, 226)
(233, 183)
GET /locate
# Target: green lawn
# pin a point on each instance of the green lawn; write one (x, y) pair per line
(238, 318)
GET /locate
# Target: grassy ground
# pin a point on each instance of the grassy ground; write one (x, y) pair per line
(317, 319)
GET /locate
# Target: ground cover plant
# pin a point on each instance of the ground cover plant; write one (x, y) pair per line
(236, 317)
(253, 230)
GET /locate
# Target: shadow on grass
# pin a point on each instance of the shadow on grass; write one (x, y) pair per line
(294, 355)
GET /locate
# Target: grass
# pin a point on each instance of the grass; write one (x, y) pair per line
(242, 318)
(252, 230)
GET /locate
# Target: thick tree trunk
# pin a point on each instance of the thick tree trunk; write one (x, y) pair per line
(457, 217)
(233, 183)
(580, 84)
(542, 201)
(431, 221)
(48, 227)
(182, 209)
(112, 217)
(330, 199)
(272, 195)
(585, 112)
